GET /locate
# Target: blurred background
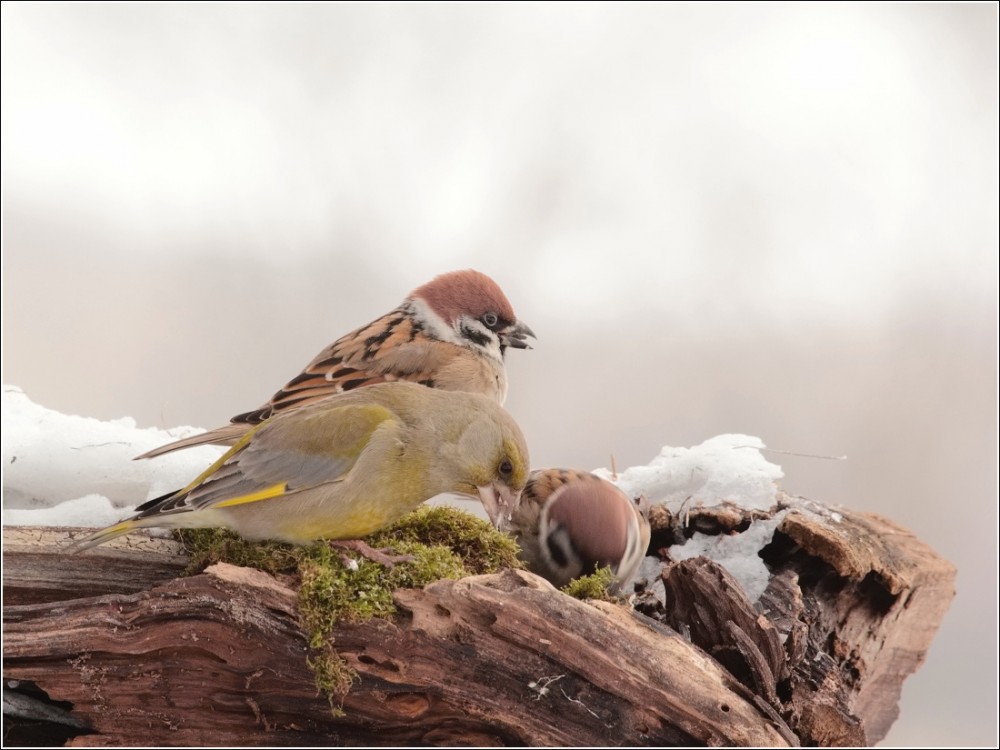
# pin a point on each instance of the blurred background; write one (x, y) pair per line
(772, 219)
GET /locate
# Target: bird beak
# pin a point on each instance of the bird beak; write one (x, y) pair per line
(500, 502)
(514, 336)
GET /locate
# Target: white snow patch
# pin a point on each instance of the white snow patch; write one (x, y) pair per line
(737, 553)
(94, 511)
(726, 467)
(723, 469)
(49, 459)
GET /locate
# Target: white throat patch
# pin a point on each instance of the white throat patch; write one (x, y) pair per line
(438, 327)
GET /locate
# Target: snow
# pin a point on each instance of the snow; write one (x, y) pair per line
(737, 553)
(726, 468)
(87, 511)
(64, 470)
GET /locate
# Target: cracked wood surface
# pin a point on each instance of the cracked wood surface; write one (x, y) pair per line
(143, 657)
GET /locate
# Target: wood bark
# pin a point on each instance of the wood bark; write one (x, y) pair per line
(121, 651)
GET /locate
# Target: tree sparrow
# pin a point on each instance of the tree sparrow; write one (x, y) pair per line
(451, 333)
(570, 523)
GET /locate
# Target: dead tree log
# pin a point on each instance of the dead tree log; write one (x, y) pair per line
(132, 655)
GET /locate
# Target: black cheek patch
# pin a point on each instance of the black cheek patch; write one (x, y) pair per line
(476, 337)
(558, 557)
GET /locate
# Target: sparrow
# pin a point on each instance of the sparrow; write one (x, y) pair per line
(347, 465)
(451, 333)
(570, 523)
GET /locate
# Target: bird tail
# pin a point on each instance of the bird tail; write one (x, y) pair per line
(219, 436)
(104, 535)
(147, 514)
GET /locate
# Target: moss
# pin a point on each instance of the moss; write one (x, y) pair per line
(330, 591)
(593, 586)
(333, 676)
(209, 546)
(481, 547)
(444, 542)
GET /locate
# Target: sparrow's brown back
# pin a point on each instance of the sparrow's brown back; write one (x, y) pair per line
(393, 347)
(450, 333)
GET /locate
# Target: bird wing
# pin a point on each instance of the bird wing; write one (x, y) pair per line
(228, 435)
(300, 450)
(386, 349)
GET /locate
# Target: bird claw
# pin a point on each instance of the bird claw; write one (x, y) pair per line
(380, 556)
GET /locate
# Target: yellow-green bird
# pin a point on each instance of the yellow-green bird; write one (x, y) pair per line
(346, 466)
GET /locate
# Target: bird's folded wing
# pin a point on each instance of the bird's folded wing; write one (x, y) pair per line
(292, 452)
(226, 435)
(387, 349)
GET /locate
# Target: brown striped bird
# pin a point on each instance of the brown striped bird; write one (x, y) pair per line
(570, 523)
(451, 333)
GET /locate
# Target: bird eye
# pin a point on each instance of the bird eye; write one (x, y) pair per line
(506, 468)
(490, 319)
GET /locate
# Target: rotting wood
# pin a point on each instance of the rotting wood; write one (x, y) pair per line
(218, 658)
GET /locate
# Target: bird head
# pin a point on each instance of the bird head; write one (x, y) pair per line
(576, 522)
(468, 308)
(491, 457)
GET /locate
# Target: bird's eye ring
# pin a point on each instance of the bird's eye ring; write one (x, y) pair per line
(490, 319)
(506, 468)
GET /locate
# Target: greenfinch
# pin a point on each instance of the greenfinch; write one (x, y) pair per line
(451, 333)
(569, 523)
(346, 466)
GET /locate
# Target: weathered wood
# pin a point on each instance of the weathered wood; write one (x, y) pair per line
(874, 596)
(219, 658)
(505, 659)
(707, 603)
(36, 568)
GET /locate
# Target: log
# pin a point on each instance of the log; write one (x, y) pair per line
(130, 654)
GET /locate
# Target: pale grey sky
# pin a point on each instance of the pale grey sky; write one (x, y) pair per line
(771, 219)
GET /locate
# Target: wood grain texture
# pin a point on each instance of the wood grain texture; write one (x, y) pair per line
(143, 657)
